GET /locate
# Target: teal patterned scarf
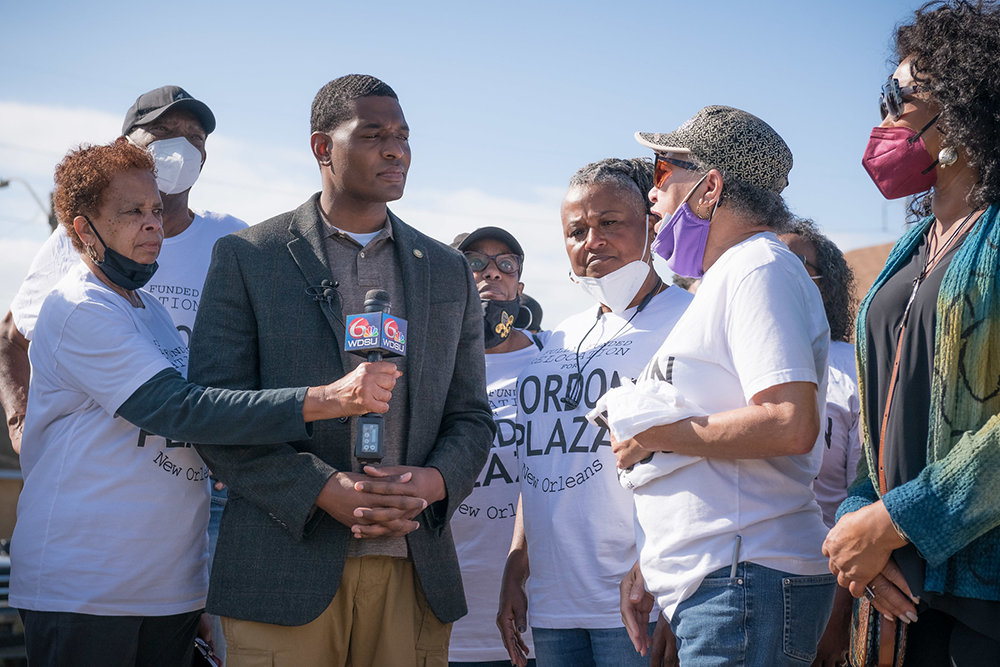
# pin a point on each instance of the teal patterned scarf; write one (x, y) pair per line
(951, 511)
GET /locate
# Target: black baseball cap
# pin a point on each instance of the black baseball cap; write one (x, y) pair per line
(463, 241)
(150, 106)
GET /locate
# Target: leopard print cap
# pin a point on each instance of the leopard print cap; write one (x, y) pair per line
(731, 140)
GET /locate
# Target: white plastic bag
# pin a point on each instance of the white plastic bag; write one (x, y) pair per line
(636, 407)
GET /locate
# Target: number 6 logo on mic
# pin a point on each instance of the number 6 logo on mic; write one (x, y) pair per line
(391, 329)
(376, 332)
(361, 328)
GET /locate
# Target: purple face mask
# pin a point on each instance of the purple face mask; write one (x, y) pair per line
(682, 240)
(897, 160)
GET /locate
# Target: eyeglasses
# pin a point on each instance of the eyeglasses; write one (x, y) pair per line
(506, 262)
(890, 101)
(663, 168)
(808, 264)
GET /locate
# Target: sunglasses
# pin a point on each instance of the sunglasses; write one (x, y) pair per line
(506, 262)
(663, 168)
(808, 264)
(890, 101)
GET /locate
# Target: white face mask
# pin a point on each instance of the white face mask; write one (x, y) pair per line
(617, 289)
(178, 164)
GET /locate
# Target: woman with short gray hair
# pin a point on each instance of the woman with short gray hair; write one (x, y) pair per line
(720, 464)
(574, 523)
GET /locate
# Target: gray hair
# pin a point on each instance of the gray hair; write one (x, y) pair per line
(631, 175)
(753, 204)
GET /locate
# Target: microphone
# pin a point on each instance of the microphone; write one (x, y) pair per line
(376, 330)
(377, 301)
(325, 291)
(375, 334)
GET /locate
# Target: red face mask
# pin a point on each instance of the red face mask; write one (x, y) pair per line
(897, 160)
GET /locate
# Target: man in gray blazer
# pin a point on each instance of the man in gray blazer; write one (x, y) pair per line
(319, 561)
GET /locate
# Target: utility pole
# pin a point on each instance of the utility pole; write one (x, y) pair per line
(49, 212)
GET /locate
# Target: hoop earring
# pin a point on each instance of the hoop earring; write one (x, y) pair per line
(91, 252)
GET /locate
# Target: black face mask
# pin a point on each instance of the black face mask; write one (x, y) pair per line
(122, 271)
(498, 319)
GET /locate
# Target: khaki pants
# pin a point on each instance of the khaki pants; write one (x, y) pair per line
(379, 617)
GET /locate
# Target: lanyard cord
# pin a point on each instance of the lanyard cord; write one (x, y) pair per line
(574, 387)
(929, 265)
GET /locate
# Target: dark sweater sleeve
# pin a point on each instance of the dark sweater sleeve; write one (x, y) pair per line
(170, 406)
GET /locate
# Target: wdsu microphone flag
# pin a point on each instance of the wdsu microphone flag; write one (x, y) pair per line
(376, 332)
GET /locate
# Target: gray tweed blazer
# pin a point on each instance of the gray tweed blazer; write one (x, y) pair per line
(277, 560)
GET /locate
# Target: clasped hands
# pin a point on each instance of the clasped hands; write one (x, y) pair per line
(860, 550)
(384, 501)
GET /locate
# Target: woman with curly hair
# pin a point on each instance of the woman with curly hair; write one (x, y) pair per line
(839, 435)
(919, 533)
(826, 265)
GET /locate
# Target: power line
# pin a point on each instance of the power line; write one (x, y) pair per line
(27, 149)
(8, 218)
(213, 181)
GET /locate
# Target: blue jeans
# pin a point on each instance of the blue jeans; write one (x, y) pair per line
(215, 507)
(489, 663)
(578, 647)
(759, 618)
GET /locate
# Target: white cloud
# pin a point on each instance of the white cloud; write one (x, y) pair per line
(33, 138)
(254, 181)
(45, 133)
(535, 224)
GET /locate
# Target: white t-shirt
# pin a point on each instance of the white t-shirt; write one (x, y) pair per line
(839, 436)
(52, 261)
(484, 523)
(178, 281)
(111, 521)
(577, 518)
(757, 321)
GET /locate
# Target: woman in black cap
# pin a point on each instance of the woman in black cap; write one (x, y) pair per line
(718, 439)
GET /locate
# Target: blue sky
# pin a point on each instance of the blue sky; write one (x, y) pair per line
(504, 101)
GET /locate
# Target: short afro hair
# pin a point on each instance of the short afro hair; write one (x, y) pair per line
(332, 104)
(750, 203)
(84, 175)
(954, 46)
(634, 175)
